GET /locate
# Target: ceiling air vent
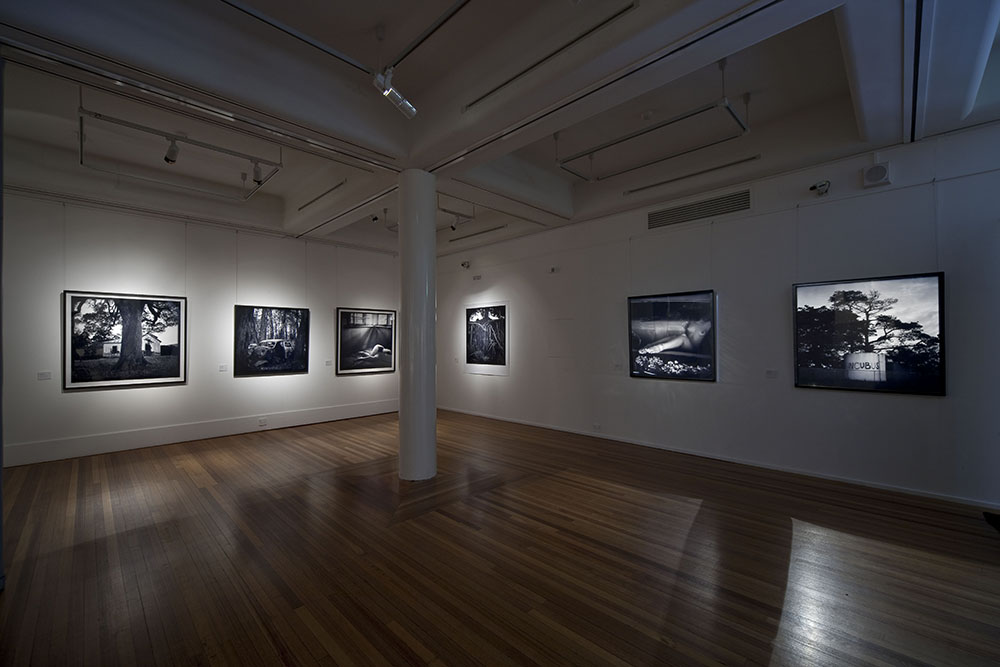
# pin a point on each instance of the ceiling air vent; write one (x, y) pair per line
(706, 208)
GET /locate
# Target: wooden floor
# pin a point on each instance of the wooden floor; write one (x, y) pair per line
(300, 546)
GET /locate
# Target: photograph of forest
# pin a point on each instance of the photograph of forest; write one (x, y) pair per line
(880, 334)
(672, 336)
(366, 341)
(115, 340)
(486, 335)
(271, 341)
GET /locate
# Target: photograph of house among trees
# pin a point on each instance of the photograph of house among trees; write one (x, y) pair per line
(115, 340)
(271, 341)
(882, 334)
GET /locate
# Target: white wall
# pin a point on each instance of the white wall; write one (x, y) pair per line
(50, 247)
(568, 330)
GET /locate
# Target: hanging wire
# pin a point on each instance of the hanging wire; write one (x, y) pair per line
(722, 70)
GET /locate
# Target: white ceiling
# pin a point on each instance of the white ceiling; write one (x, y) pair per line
(532, 114)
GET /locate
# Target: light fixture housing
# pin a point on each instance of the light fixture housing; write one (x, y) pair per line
(257, 176)
(172, 150)
(383, 82)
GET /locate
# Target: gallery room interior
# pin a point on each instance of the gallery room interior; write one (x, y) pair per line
(470, 332)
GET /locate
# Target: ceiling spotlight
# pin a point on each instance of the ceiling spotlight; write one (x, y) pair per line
(383, 81)
(820, 188)
(172, 151)
(257, 176)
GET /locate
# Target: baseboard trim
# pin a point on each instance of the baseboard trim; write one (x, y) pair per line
(973, 502)
(38, 451)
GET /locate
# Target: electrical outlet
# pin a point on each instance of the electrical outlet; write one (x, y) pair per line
(770, 374)
(329, 362)
(261, 421)
(596, 427)
(44, 375)
(223, 368)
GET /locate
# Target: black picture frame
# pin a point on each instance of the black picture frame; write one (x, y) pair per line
(882, 334)
(673, 336)
(487, 338)
(270, 340)
(115, 340)
(366, 341)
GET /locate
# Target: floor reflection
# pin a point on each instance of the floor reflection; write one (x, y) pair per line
(730, 586)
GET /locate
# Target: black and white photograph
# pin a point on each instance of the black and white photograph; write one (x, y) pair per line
(877, 334)
(672, 336)
(486, 339)
(271, 341)
(121, 340)
(366, 341)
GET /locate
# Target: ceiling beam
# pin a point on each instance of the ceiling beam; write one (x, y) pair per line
(954, 48)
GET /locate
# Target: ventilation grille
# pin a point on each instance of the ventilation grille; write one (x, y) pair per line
(706, 208)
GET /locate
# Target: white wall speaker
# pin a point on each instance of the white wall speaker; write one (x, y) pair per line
(877, 174)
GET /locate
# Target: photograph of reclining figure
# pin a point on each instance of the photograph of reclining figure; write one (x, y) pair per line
(366, 341)
(672, 336)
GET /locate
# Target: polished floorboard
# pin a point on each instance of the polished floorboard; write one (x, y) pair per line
(301, 547)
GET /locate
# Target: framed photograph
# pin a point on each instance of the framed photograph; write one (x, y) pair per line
(486, 336)
(123, 340)
(672, 336)
(366, 341)
(875, 334)
(271, 341)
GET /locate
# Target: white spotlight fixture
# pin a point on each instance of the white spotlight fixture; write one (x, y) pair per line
(383, 81)
(257, 176)
(172, 151)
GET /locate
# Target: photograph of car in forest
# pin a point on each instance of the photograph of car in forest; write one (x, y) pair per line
(271, 341)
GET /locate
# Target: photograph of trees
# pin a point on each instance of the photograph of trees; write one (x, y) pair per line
(271, 341)
(486, 335)
(366, 341)
(672, 336)
(882, 334)
(123, 339)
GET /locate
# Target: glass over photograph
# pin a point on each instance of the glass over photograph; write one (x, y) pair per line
(879, 334)
(366, 341)
(486, 335)
(271, 341)
(672, 336)
(118, 340)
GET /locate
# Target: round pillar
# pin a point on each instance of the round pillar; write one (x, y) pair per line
(417, 343)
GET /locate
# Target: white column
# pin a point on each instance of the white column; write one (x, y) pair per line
(416, 343)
